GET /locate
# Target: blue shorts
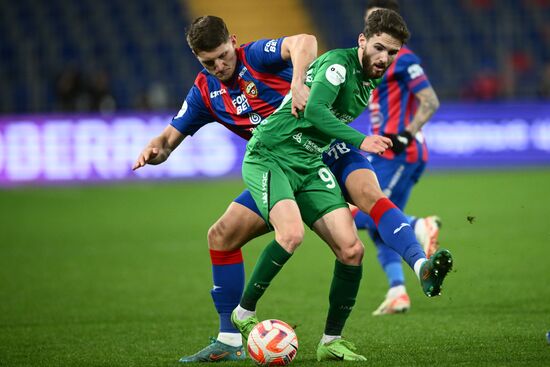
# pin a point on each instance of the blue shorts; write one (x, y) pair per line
(245, 198)
(341, 158)
(397, 178)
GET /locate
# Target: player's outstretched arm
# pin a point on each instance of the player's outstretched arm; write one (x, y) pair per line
(159, 148)
(302, 50)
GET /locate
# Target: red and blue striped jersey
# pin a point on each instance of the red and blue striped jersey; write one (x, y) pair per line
(262, 79)
(393, 103)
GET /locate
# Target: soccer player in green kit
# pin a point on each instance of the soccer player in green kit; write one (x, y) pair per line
(289, 182)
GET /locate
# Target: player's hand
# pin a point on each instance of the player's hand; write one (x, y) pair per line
(375, 144)
(149, 155)
(300, 95)
(400, 141)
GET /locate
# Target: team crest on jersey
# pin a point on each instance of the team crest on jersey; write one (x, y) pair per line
(250, 89)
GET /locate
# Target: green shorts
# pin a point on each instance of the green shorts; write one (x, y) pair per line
(272, 178)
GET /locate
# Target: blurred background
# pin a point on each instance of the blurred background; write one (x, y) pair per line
(85, 84)
(63, 55)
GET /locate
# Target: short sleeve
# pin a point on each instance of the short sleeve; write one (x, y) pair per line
(265, 55)
(409, 71)
(193, 114)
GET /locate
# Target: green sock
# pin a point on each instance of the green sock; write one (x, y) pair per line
(268, 265)
(343, 291)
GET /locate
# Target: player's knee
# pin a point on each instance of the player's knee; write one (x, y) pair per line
(352, 254)
(220, 238)
(290, 239)
(368, 198)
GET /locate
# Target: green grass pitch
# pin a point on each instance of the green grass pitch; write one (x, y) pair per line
(120, 276)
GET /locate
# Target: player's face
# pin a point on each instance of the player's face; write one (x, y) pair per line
(378, 52)
(221, 61)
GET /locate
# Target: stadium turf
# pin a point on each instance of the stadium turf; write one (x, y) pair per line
(120, 276)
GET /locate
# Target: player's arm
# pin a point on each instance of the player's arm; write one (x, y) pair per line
(191, 117)
(318, 113)
(412, 75)
(301, 49)
(159, 148)
(428, 104)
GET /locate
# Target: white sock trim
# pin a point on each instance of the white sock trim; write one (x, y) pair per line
(328, 338)
(418, 265)
(232, 339)
(243, 313)
(396, 291)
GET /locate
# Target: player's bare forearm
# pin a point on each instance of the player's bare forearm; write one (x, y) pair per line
(375, 144)
(428, 104)
(302, 50)
(159, 148)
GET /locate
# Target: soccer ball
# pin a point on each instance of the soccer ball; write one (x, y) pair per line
(272, 343)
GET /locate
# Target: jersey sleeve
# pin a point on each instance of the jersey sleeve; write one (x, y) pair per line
(193, 114)
(409, 71)
(265, 55)
(328, 79)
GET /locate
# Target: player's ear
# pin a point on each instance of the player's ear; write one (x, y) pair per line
(362, 41)
(233, 39)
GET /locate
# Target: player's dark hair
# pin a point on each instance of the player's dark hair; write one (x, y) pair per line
(384, 4)
(386, 21)
(206, 33)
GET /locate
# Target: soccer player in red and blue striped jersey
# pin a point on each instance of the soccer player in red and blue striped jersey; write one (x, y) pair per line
(238, 88)
(401, 104)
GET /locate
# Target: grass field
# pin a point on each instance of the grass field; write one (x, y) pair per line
(120, 276)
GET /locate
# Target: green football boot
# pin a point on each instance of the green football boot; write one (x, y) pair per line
(434, 270)
(338, 350)
(244, 326)
(216, 351)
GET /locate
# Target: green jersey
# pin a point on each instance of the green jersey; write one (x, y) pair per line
(339, 93)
